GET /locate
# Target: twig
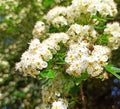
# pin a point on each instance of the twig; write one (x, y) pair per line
(82, 96)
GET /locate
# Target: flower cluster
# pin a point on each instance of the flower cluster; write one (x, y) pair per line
(113, 32)
(31, 60)
(83, 57)
(55, 16)
(35, 57)
(39, 29)
(103, 7)
(65, 15)
(83, 54)
(82, 33)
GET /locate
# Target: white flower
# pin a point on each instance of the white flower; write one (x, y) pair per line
(39, 29)
(113, 32)
(54, 13)
(94, 69)
(34, 44)
(60, 104)
(82, 33)
(59, 21)
(31, 59)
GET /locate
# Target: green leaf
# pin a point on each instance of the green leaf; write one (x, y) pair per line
(102, 22)
(48, 74)
(113, 70)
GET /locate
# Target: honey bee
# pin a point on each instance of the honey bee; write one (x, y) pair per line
(90, 47)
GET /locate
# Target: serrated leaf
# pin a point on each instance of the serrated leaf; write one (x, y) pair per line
(48, 74)
(113, 70)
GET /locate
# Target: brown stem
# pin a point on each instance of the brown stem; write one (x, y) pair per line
(82, 96)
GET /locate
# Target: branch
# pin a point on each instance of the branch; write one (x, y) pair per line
(82, 97)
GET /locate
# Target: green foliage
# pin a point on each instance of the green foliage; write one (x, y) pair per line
(48, 74)
(2, 7)
(19, 94)
(58, 58)
(84, 76)
(74, 90)
(74, 86)
(77, 80)
(84, 19)
(47, 3)
(113, 70)
(8, 21)
(101, 22)
(102, 40)
(10, 30)
(17, 9)
(51, 71)
(53, 29)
